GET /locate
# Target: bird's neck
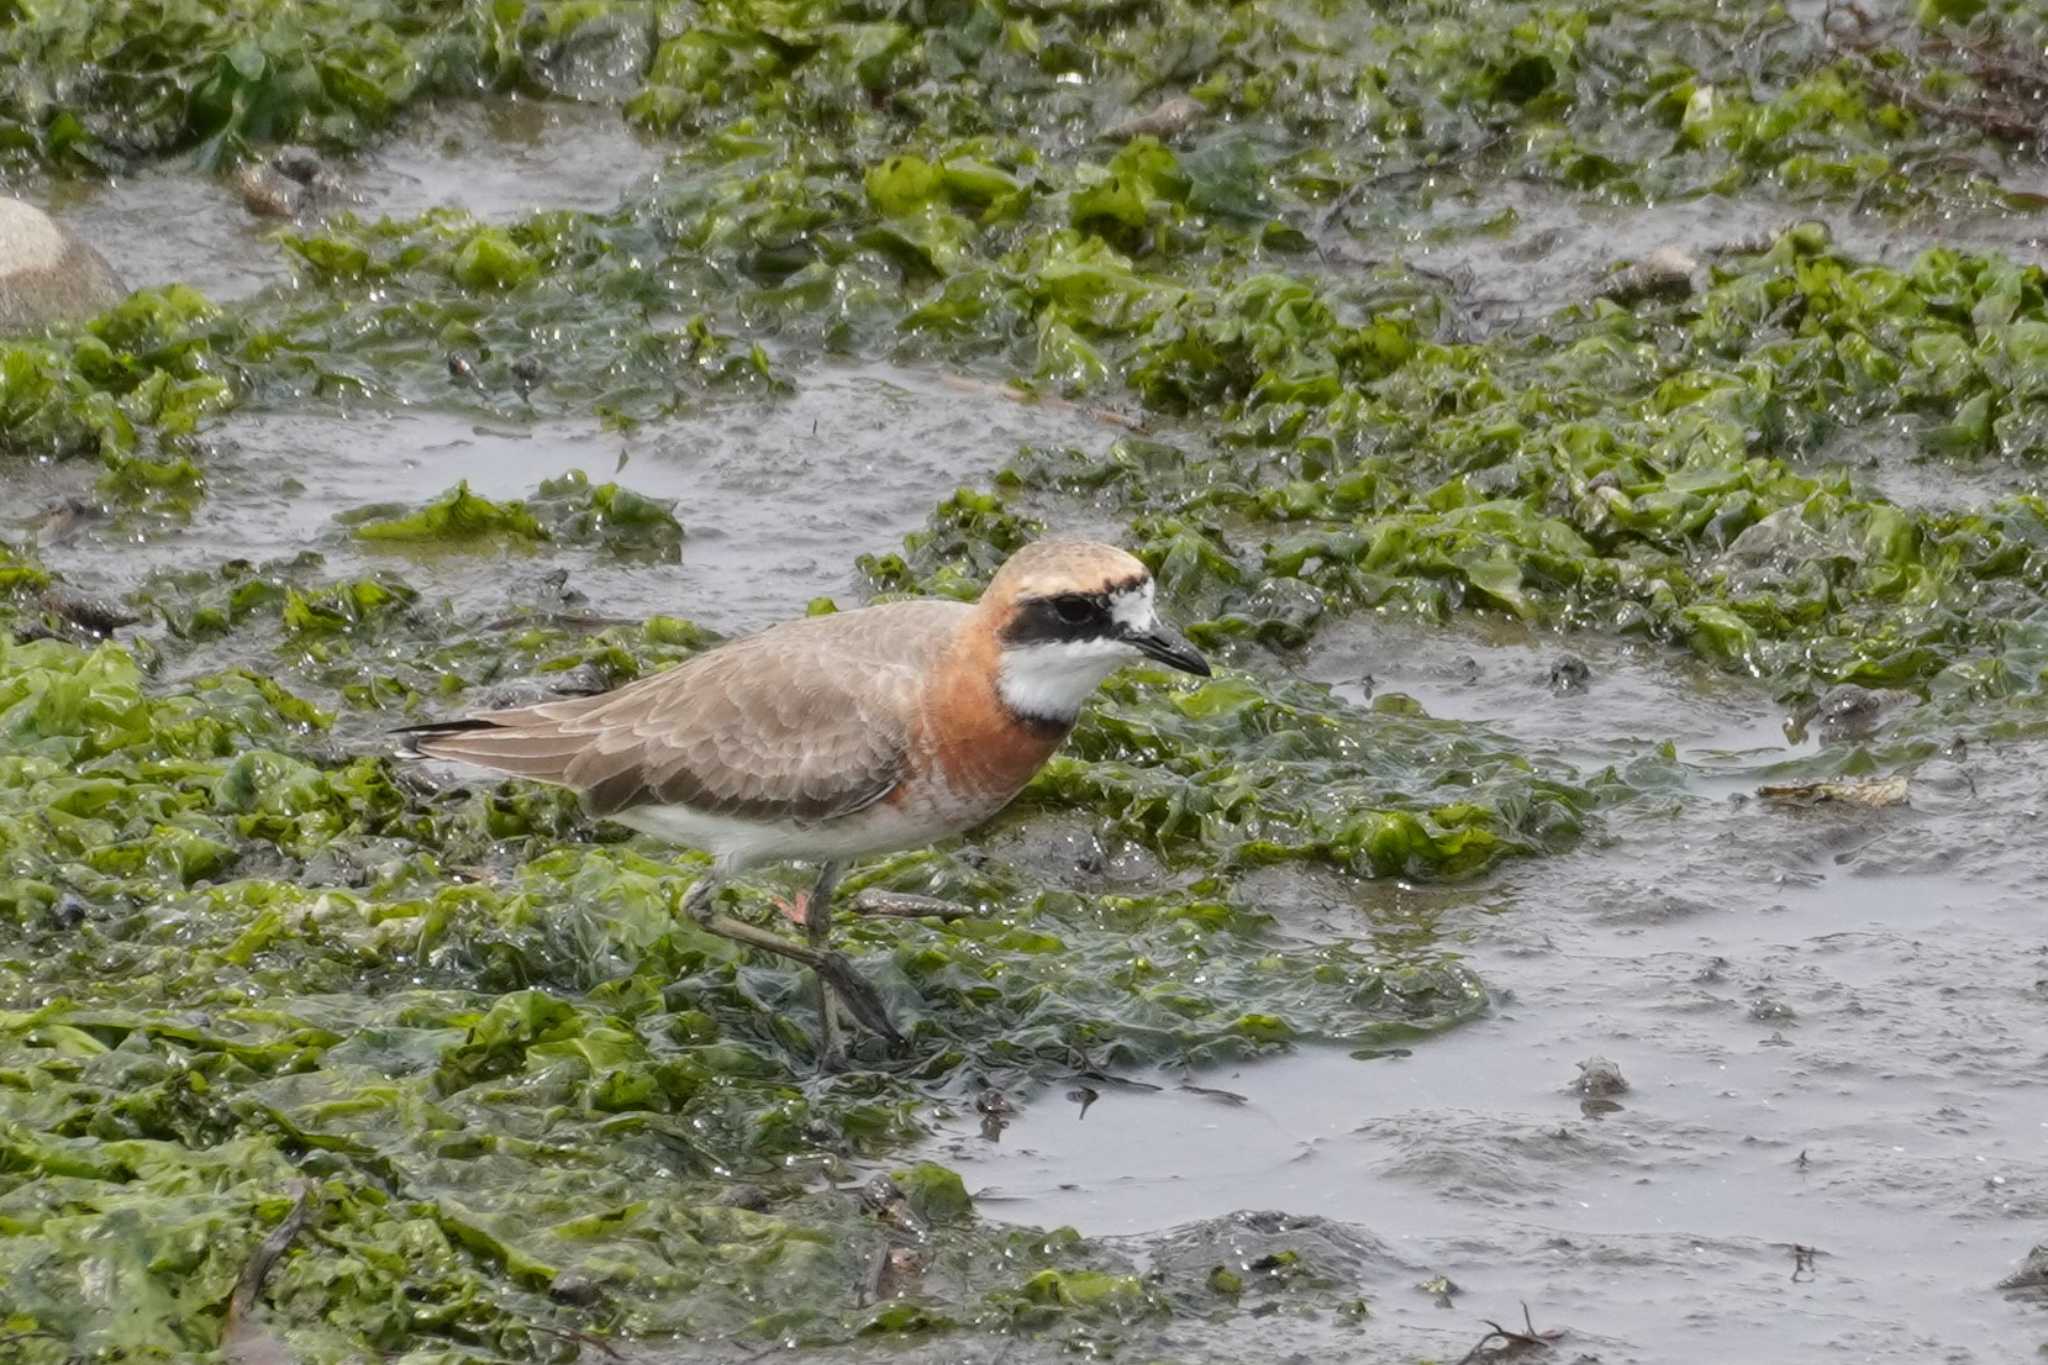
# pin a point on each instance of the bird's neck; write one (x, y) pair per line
(984, 742)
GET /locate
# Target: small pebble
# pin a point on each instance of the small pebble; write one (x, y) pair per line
(1570, 674)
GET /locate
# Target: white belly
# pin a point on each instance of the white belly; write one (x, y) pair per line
(881, 828)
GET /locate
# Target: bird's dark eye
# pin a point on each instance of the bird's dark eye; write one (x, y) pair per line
(1072, 610)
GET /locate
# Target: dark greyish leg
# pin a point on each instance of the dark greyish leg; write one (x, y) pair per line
(903, 905)
(863, 1001)
(817, 908)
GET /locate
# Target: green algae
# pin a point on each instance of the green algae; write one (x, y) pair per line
(95, 87)
(268, 968)
(459, 516)
(150, 365)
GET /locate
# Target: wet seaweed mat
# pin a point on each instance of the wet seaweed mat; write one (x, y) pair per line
(1531, 557)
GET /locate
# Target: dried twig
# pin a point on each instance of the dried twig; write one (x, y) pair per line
(1045, 400)
(1512, 1343)
(244, 1342)
(579, 1338)
(2003, 122)
(2012, 119)
(1450, 163)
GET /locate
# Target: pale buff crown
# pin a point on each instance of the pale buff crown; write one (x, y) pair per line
(1046, 568)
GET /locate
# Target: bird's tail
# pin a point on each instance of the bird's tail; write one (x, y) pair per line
(412, 737)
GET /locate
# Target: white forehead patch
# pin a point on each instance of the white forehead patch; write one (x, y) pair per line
(1133, 608)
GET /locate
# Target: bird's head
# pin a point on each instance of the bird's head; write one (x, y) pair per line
(1068, 613)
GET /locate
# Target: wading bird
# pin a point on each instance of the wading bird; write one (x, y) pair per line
(835, 737)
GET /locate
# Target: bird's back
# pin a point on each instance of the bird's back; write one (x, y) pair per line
(804, 722)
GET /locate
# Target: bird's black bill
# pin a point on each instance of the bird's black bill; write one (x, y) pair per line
(1166, 644)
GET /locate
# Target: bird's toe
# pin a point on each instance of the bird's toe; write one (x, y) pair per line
(861, 998)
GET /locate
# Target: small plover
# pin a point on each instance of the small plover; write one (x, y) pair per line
(835, 737)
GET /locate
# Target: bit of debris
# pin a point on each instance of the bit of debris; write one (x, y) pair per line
(904, 905)
(285, 183)
(1665, 273)
(1165, 120)
(1443, 1288)
(752, 1198)
(893, 1272)
(1570, 674)
(1870, 792)
(571, 1335)
(304, 166)
(244, 1342)
(884, 1198)
(527, 372)
(68, 913)
(995, 1110)
(1847, 710)
(63, 519)
(1227, 1096)
(1018, 395)
(268, 193)
(96, 616)
(574, 1287)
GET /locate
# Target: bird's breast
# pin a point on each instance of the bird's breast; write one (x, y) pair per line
(968, 748)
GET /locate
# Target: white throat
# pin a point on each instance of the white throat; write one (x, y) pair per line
(1050, 680)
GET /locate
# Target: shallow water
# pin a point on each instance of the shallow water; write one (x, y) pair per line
(776, 497)
(496, 158)
(1517, 250)
(1830, 1039)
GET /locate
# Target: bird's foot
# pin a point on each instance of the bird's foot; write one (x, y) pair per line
(839, 977)
(903, 905)
(796, 909)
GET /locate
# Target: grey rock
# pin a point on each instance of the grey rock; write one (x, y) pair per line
(1598, 1076)
(47, 273)
(2032, 1276)
(1848, 710)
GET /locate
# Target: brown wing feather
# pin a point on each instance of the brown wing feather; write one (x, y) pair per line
(805, 721)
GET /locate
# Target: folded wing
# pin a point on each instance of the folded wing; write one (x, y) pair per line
(806, 722)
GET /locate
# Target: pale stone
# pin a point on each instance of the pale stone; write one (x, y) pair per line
(47, 274)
